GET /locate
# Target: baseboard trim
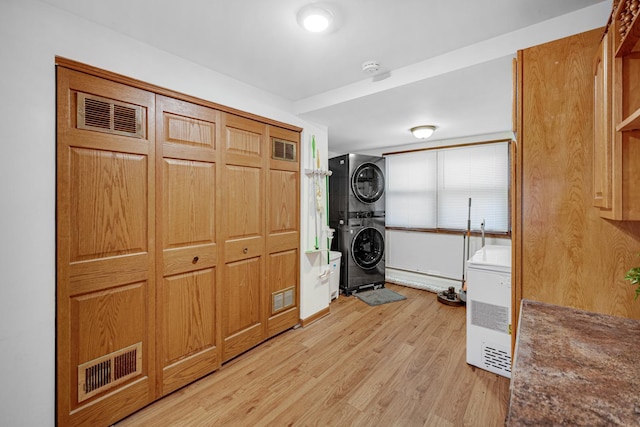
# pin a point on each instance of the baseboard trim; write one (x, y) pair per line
(420, 280)
(309, 320)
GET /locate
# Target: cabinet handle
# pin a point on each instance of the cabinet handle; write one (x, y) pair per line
(245, 250)
(195, 260)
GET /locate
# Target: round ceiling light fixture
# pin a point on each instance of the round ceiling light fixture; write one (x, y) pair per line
(423, 132)
(314, 18)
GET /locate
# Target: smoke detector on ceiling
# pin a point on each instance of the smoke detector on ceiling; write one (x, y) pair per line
(370, 67)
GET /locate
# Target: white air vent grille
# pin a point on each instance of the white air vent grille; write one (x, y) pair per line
(283, 150)
(496, 358)
(282, 300)
(106, 372)
(106, 115)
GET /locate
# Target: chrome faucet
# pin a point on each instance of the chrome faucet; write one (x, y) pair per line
(482, 229)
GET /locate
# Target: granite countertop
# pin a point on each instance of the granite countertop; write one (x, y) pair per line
(574, 367)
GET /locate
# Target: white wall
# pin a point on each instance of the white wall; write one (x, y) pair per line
(31, 35)
(435, 254)
(431, 261)
(315, 293)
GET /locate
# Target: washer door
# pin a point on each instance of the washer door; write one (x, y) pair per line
(367, 248)
(367, 183)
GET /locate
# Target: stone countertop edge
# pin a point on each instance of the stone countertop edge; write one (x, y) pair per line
(574, 367)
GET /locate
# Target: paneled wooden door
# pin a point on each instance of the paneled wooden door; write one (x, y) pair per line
(283, 237)
(243, 233)
(104, 217)
(187, 297)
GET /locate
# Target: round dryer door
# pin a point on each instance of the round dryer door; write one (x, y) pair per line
(367, 183)
(367, 248)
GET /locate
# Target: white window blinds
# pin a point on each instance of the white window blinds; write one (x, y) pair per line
(431, 188)
(411, 190)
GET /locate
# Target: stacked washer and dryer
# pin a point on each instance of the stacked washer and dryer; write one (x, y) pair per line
(357, 213)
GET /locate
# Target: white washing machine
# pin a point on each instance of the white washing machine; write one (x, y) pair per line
(489, 309)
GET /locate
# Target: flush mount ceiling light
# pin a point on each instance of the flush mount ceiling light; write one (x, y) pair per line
(423, 132)
(315, 18)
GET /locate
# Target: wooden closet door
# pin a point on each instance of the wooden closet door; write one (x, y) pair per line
(105, 253)
(243, 210)
(187, 338)
(283, 237)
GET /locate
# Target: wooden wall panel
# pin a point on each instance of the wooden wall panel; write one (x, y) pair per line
(189, 203)
(243, 295)
(282, 271)
(243, 142)
(564, 252)
(242, 311)
(109, 320)
(109, 199)
(189, 319)
(244, 209)
(283, 201)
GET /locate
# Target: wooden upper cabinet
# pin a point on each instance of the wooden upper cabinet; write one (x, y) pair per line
(616, 170)
(602, 130)
(625, 29)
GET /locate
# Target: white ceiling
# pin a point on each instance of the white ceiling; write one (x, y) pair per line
(448, 63)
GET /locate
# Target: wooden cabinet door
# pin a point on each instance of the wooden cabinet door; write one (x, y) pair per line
(243, 233)
(105, 260)
(602, 147)
(187, 154)
(283, 237)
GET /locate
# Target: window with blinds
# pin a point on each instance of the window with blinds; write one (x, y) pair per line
(430, 189)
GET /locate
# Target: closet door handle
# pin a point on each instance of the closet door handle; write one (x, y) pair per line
(245, 250)
(195, 260)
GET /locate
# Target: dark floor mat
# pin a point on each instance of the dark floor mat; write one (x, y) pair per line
(379, 296)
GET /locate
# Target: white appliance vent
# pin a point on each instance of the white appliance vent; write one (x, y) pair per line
(490, 316)
(496, 358)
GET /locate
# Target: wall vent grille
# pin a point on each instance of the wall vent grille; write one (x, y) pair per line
(106, 115)
(281, 300)
(106, 372)
(283, 150)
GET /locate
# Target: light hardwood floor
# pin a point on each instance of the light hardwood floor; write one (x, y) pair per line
(398, 364)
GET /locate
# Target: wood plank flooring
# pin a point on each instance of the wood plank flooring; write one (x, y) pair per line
(398, 364)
